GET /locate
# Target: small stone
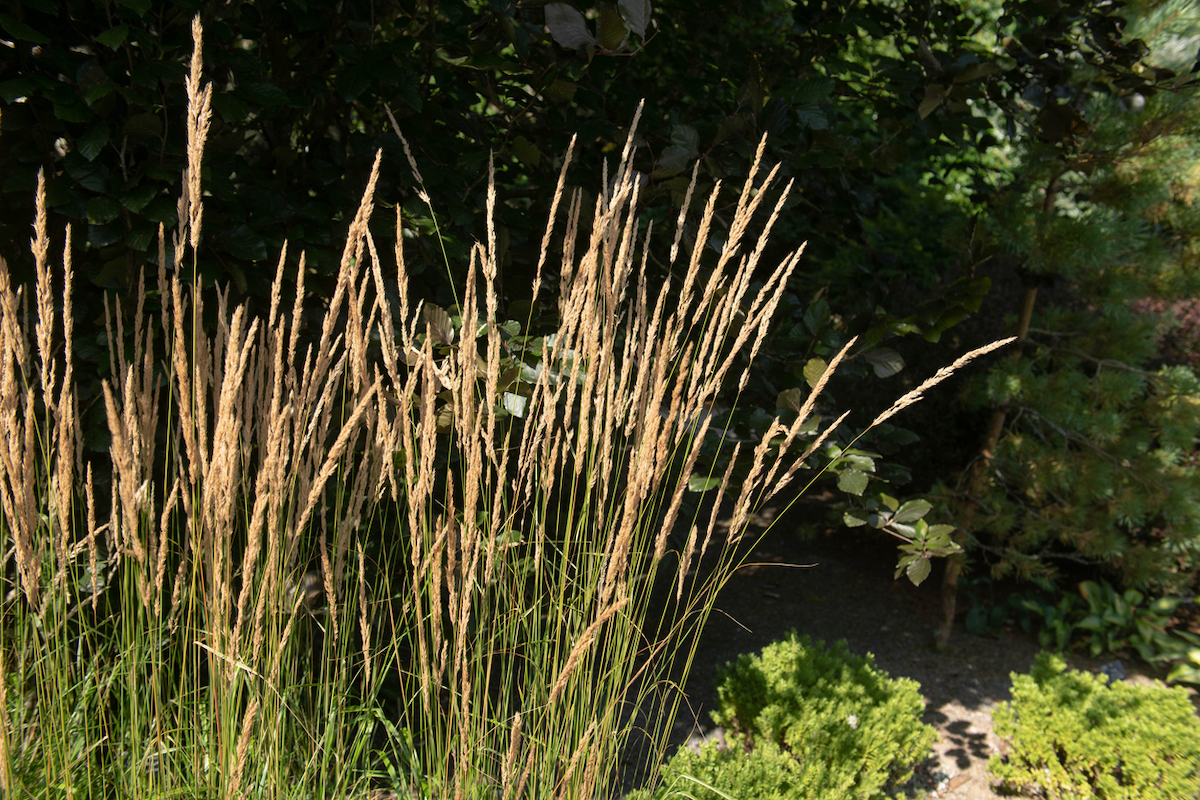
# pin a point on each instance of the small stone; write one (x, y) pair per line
(698, 740)
(957, 781)
(1114, 670)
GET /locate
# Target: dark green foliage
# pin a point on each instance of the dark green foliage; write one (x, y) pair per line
(1097, 619)
(821, 722)
(1096, 460)
(1073, 736)
(886, 115)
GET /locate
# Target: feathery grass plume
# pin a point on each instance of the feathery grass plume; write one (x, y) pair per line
(18, 500)
(916, 394)
(199, 116)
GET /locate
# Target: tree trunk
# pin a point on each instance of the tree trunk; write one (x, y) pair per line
(955, 563)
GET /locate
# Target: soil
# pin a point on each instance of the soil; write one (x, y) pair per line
(838, 584)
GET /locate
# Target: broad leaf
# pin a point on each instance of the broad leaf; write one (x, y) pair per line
(92, 142)
(113, 37)
(934, 94)
(974, 71)
(977, 620)
(526, 151)
(568, 27)
(611, 28)
(854, 518)
(21, 31)
(885, 361)
(102, 210)
(912, 511)
(515, 404)
(918, 570)
(853, 481)
(438, 324)
(813, 371)
(636, 14)
(816, 315)
(702, 483)
(790, 399)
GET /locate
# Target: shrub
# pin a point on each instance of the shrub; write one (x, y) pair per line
(810, 722)
(1074, 736)
(715, 773)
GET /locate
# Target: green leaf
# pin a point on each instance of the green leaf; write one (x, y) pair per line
(264, 93)
(939, 534)
(913, 510)
(885, 361)
(611, 28)
(934, 94)
(853, 481)
(143, 126)
(18, 87)
(854, 518)
(998, 616)
(812, 117)
(811, 90)
(113, 37)
(231, 107)
(813, 371)
(91, 143)
(702, 483)
(684, 147)
(21, 31)
(351, 83)
(515, 404)
(526, 151)
(790, 399)
(918, 570)
(102, 210)
(636, 14)
(1166, 605)
(140, 237)
(816, 316)
(672, 161)
(568, 27)
(975, 71)
(561, 90)
(977, 620)
(74, 111)
(140, 197)
(243, 241)
(96, 91)
(860, 461)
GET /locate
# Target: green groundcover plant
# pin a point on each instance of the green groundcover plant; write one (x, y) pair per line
(1073, 735)
(806, 721)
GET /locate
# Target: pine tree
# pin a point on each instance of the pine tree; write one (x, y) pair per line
(1091, 452)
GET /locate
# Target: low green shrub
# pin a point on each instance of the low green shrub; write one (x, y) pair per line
(715, 773)
(1074, 736)
(806, 722)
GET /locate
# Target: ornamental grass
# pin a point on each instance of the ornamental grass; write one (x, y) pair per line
(408, 554)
